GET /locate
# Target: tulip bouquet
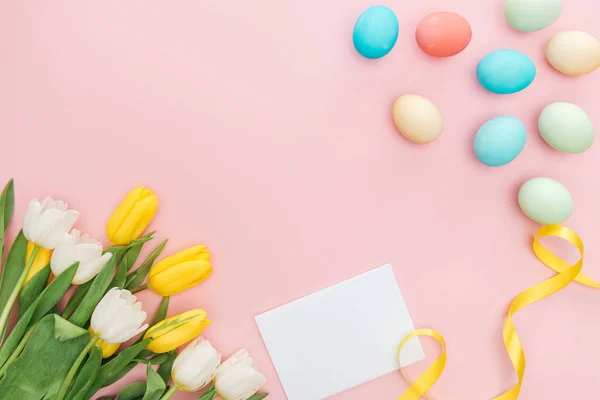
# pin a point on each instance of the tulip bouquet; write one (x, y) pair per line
(71, 352)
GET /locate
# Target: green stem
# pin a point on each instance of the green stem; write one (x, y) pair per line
(69, 310)
(17, 289)
(170, 392)
(139, 288)
(17, 352)
(73, 371)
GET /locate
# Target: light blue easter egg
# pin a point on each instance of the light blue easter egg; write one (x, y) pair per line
(375, 32)
(506, 71)
(499, 141)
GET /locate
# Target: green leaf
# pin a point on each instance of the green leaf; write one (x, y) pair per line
(120, 277)
(209, 394)
(120, 251)
(133, 391)
(45, 361)
(258, 396)
(155, 386)
(32, 289)
(164, 371)
(40, 307)
(87, 375)
(137, 277)
(156, 360)
(15, 262)
(131, 255)
(159, 315)
(111, 369)
(54, 292)
(85, 309)
(76, 298)
(161, 312)
(7, 206)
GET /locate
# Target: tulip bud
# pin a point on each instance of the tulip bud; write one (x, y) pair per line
(45, 223)
(81, 248)
(180, 271)
(41, 260)
(117, 317)
(237, 378)
(172, 332)
(107, 349)
(132, 216)
(196, 365)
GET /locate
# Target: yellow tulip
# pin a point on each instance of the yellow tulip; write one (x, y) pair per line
(107, 349)
(172, 332)
(132, 216)
(41, 260)
(180, 271)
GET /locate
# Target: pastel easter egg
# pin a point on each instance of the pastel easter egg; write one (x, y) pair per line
(417, 118)
(532, 15)
(566, 127)
(506, 71)
(443, 34)
(375, 32)
(499, 141)
(545, 200)
(573, 53)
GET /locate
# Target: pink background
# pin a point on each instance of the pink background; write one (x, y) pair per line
(269, 139)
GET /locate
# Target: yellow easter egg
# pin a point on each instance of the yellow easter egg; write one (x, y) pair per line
(417, 118)
(573, 53)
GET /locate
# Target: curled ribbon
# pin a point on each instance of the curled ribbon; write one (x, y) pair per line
(566, 273)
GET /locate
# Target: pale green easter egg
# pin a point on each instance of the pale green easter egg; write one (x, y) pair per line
(545, 200)
(532, 15)
(566, 127)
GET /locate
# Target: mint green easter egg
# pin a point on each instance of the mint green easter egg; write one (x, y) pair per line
(566, 127)
(532, 15)
(545, 200)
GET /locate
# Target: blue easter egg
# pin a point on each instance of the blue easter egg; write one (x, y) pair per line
(506, 71)
(375, 32)
(499, 141)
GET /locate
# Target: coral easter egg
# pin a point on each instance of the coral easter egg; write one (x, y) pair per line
(443, 34)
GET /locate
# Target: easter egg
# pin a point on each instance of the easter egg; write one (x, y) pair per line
(443, 34)
(505, 71)
(545, 200)
(499, 141)
(417, 118)
(566, 127)
(573, 53)
(532, 15)
(375, 32)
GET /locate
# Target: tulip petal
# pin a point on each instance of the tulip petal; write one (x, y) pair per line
(132, 216)
(196, 365)
(179, 277)
(32, 218)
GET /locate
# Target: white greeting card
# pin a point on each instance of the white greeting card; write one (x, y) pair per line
(339, 337)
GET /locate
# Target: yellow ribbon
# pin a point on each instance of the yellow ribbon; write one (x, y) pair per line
(566, 274)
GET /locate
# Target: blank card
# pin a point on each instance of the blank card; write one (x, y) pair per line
(339, 337)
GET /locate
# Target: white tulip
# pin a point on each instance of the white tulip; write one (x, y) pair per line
(196, 365)
(117, 317)
(46, 223)
(77, 247)
(237, 378)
